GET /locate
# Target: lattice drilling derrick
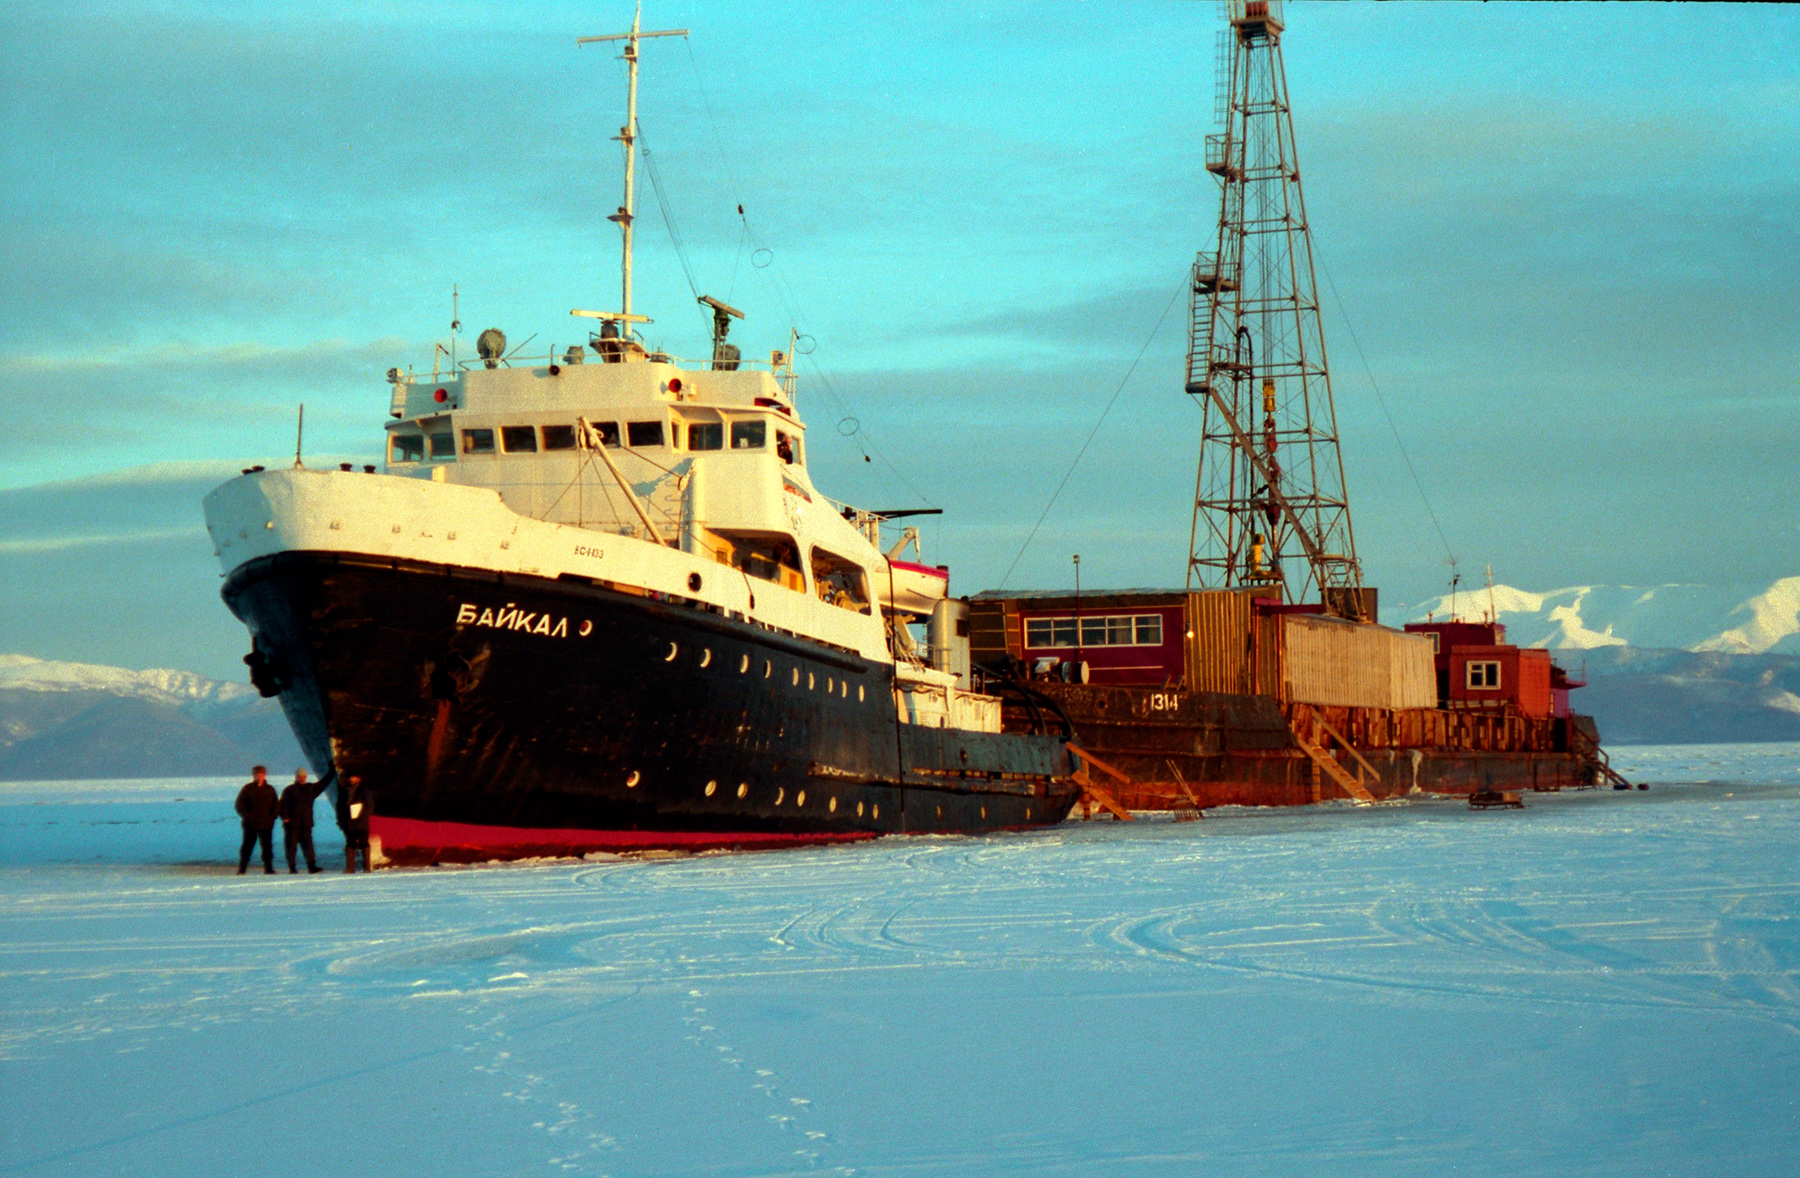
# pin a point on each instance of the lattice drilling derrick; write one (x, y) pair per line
(1269, 500)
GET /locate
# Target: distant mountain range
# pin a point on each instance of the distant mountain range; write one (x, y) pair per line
(1666, 664)
(1659, 617)
(65, 721)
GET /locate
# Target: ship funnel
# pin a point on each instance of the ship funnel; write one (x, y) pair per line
(947, 635)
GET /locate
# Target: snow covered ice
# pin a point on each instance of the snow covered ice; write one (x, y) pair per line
(1604, 983)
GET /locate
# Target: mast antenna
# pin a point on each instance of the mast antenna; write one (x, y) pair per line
(299, 434)
(628, 136)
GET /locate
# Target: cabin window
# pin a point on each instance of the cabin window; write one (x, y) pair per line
(406, 448)
(609, 433)
(1107, 631)
(478, 441)
(748, 435)
(839, 581)
(518, 439)
(559, 437)
(767, 558)
(706, 435)
(1096, 630)
(443, 445)
(641, 433)
(1483, 676)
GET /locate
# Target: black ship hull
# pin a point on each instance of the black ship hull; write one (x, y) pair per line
(499, 714)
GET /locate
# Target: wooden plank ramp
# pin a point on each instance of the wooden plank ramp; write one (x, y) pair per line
(1328, 764)
(1091, 790)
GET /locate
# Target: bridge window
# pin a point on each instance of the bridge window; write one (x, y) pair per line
(559, 437)
(748, 435)
(406, 448)
(706, 435)
(478, 441)
(443, 445)
(641, 433)
(518, 439)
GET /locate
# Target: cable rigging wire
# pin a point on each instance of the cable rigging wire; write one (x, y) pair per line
(1382, 401)
(1169, 306)
(668, 215)
(778, 285)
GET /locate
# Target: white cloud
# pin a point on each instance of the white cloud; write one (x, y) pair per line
(63, 543)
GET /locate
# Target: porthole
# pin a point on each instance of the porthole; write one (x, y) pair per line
(1028, 813)
(829, 686)
(809, 681)
(632, 778)
(940, 813)
(845, 685)
(710, 787)
(743, 788)
(673, 651)
(859, 809)
(743, 663)
(859, 693)
(984, 813)
(800, 798)
(768, 668)
(779, 794)
(875, 811)
(832, 805)
(796, 676)
(706, 658)
(694, 582)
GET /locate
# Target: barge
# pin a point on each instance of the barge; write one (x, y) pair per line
(1211, 698)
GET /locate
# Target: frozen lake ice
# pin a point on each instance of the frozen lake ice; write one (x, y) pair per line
(1603, 983)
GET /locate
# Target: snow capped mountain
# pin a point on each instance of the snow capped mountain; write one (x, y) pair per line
(1774, 623)
(1586, 617)
(24, 673)
(60, 721)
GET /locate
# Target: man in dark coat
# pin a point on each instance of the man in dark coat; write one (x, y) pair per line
(353, 816)
(256, 807)
(297, 820)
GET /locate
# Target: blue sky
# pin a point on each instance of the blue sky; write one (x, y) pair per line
(1566, 238)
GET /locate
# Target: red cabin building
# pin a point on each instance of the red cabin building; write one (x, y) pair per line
(1476, 668)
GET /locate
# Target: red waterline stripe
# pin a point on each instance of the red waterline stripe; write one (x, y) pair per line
(414, 841)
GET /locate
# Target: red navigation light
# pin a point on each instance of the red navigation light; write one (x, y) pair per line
(440, 396)
(675, 384)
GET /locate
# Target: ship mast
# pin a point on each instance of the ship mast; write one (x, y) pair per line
(1270, 476)
(628, 136)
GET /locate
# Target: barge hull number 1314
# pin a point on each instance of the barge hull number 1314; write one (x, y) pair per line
(593, 601)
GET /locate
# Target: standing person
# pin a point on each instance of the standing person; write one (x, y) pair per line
(355, 821)
(297, 820)
(256, 806)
